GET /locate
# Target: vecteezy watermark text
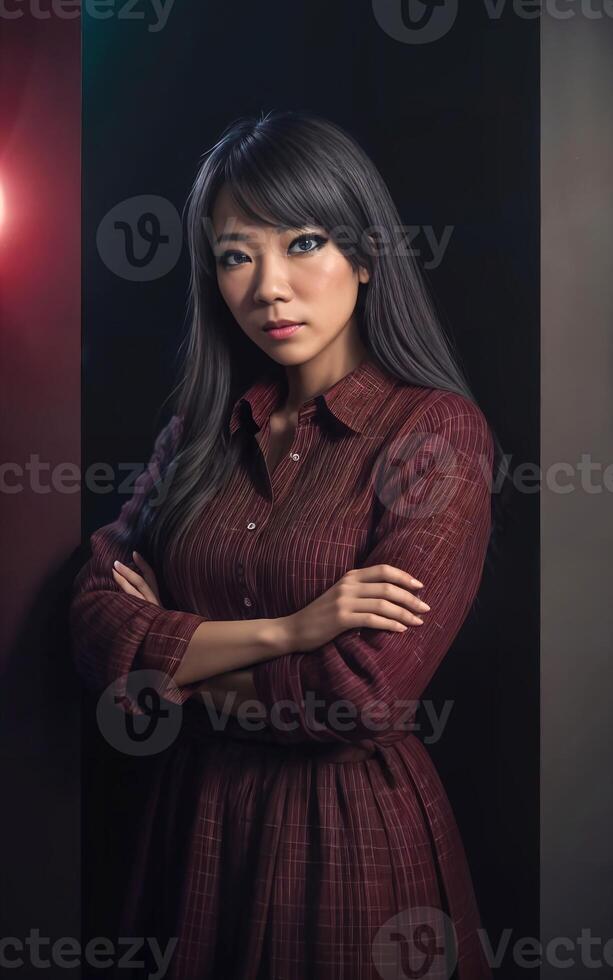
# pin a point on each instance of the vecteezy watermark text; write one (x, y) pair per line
(139, 714)
(426, 21)
(99, 952)
(37, 476)
(156, 12)
(67, 477)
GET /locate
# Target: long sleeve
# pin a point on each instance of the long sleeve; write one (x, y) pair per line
(435, 524)
(114, 633)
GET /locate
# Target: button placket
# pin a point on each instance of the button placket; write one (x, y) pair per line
(284, 474)
(254, 525)
(288, 469)
(247, 601)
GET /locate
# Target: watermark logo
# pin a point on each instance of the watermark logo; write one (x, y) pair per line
(417, 475)
(415, 21)
(133, 717)
(140, 238)
(416, 943)
(426, 21)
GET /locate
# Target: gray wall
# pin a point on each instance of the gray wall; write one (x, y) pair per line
(577, 526)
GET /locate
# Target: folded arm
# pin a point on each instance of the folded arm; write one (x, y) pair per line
(114, 633)
(435, 525)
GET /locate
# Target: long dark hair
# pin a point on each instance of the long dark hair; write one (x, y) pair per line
(287, 168)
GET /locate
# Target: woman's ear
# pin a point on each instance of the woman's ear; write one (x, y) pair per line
(372, 247)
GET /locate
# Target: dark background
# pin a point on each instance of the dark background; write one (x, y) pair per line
(454, 128)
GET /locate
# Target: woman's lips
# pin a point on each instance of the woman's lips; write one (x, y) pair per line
(279, 333)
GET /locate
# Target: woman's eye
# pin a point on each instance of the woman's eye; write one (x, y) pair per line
(318, 239)
(224, 259)
(313, 242)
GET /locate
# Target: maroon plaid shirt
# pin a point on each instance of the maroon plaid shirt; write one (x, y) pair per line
(321, 845)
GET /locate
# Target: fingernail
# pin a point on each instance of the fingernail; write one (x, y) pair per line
(117, 564)
(419, 585)
(135, 554)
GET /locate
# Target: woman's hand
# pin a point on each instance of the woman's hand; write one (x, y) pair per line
(376, 597)
(143, 586)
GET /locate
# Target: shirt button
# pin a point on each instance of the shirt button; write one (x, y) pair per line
(247, 601)
(295, 456)
(250, 526)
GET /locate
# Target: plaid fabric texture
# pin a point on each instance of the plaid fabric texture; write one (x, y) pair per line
(259, 856)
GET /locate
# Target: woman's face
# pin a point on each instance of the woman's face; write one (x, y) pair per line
(297, 275)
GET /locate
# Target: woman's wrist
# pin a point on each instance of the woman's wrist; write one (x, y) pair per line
(279, 636)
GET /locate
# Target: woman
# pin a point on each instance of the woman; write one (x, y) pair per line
(307, 540)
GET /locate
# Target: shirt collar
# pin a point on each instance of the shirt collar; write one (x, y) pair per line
(354, 399)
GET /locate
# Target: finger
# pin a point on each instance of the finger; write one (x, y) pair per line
(389, 573)
(141, 561)
(125, 585)
(143, 565)
(136, 580)
(393, 593)
(375, 622)
(148, 573)
(390, 610)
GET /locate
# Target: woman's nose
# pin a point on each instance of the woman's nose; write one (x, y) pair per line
(271, 282)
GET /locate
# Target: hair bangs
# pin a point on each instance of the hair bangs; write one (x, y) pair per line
(280, 185)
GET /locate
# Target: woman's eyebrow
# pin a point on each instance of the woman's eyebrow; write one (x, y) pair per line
(241, 236)
(233, 236)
